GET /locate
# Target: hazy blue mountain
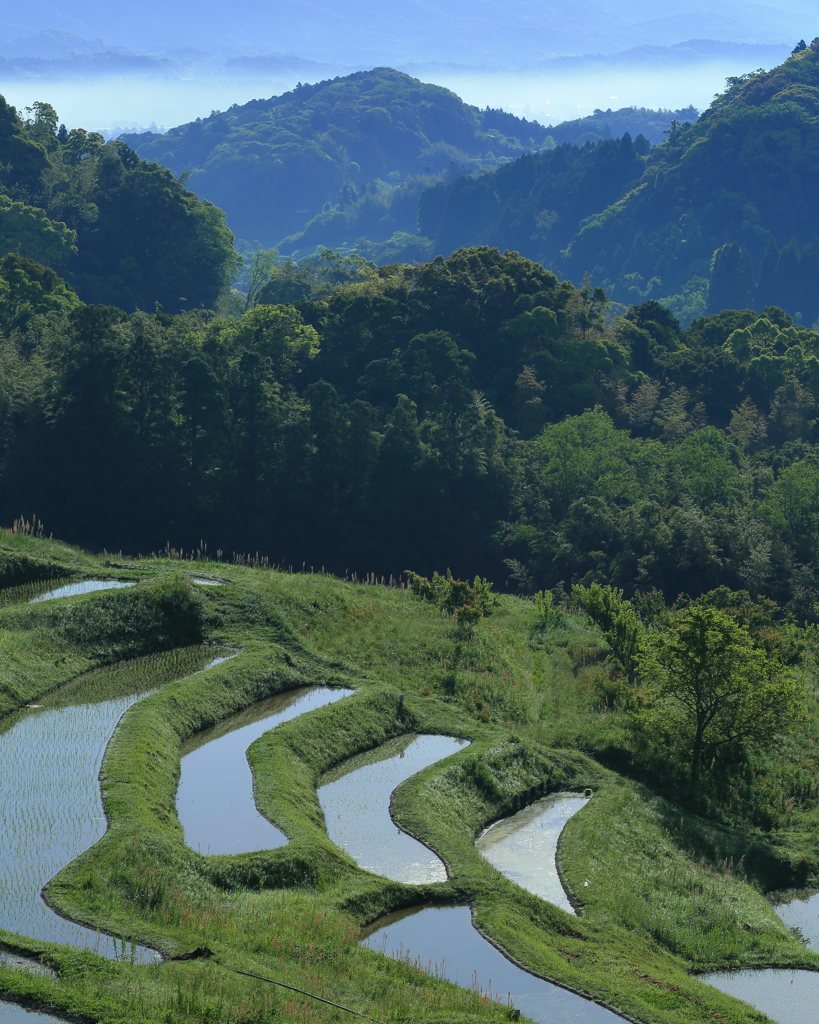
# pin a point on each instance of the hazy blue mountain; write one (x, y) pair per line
(474, 32)
(53, 43)
(370, 141)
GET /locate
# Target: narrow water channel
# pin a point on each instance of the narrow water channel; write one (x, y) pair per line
(444, 942)
(11, 1013)
(214, 800)
(355, 798)
(50, 803)
(523, 847)
(81, 587)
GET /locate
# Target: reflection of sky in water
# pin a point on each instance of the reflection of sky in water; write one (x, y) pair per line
(82, 587)
(12, 1014)
(51, 811)
(442, 941)
(786, 996)
(355, 798)
(802, 911)
(523, 847)
(50, 804)
(214, 800)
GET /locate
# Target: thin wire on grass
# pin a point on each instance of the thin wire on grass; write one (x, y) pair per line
(310, 995)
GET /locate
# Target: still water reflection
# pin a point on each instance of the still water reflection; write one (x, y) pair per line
(355, 798)
(82, 587)
(50, 803)
(10, 1013)
(214, 800)
(523, 847)
(786, 996)
(443, 942)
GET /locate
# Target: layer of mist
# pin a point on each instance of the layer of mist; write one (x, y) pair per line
(560, 91)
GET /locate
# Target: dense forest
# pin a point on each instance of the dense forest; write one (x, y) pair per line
(473, 412)
(120, 230)
(644, 487)
(379, 164)
(645, 223)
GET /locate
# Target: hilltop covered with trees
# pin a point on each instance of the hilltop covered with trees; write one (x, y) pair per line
(351, 152)
(118, 229)
(645, 222)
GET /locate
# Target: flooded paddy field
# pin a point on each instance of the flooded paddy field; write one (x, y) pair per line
(11, 1013)
(787, 996)
(53, 810)
(523, 847)
(355, 798)
(214, 801)
(80, 587)
(443, 942)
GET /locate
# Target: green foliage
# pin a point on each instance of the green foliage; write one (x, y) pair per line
(710, 693)
(665, 890)
(456, 598)
(119, 229)
(617, 621)
(27, 231)
(28, 289)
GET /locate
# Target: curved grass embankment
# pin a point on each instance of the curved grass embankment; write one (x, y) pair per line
(294, 913)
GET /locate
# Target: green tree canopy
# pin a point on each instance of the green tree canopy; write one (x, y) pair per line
(711, 693)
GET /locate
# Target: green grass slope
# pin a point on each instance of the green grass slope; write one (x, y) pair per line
(668, 893)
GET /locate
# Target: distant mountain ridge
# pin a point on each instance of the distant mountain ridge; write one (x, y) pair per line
(646, 224)
(274, 164)
(453, 31)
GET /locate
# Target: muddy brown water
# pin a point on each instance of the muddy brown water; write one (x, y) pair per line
(214, 800)
(443, 942)
(523, 847)
(355, 798)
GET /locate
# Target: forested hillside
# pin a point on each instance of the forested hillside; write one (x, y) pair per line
(473, 412)
(614, 124)
(646, 223)
(120, 230)
(357, 149)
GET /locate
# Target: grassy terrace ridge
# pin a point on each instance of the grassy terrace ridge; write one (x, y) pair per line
(668, 893)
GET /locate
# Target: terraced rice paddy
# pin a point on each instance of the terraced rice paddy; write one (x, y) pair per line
(50, 801)
(214, 800)
(800, 910)
(81, 587)
(523, 847)
(355, 799)
(443, 941)
(10, 1013)
(786, 996)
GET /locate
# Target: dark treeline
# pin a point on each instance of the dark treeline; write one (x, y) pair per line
(473, 412)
